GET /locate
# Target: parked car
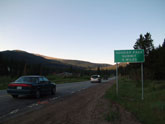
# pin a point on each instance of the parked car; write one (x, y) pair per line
(31, 85)
(95, 78)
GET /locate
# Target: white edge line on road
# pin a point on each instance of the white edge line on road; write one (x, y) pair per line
(54, 98)
(36, 104)
(14, 111)
(32, 105)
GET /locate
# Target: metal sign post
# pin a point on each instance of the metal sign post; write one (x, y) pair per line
(142, 80)
(117, 79)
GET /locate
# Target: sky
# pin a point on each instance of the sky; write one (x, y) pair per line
(88, 30)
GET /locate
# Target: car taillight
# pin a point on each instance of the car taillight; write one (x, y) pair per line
(21, 85)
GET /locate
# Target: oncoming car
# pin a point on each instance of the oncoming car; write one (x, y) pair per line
(31, 85)
(95, 78)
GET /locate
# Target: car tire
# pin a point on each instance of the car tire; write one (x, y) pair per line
(53, 91)
(37, 94)
(15, 96)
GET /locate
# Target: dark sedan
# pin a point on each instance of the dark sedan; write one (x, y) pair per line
(31, 85)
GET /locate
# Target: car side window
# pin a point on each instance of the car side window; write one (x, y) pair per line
(41, 80)
(45, 79)
(34, 80)
(37, 80)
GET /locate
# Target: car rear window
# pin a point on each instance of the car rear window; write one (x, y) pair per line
(27, 80)
(95, 76)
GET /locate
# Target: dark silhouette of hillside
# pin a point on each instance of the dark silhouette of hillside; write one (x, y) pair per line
(19, 62)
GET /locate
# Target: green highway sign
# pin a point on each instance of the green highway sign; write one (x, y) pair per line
(135, 56)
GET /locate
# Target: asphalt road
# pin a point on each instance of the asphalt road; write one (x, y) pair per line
(10, 106)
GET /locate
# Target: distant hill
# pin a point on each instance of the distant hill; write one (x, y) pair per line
(18, 55)
(84, 64)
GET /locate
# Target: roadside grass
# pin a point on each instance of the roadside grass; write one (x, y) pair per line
(5, 80)
(151, 110)
(113, 114)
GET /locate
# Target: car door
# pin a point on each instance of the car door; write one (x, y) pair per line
(43, 85)
(47, 85)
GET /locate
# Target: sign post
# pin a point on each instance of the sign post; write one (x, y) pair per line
(117, 79)
(131, 56)
(142, 80)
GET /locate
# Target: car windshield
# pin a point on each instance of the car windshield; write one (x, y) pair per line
(95, 76)
(27, 80)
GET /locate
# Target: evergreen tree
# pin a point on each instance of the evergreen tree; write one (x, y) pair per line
(163, 45)
(145, 42)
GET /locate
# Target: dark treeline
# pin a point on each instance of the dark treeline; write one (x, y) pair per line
(17, 68)
(11, 66)
(154, 65)
(15, 65)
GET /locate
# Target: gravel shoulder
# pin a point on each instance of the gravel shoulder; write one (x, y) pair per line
(85, 107)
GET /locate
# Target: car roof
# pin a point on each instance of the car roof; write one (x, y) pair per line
(32, 76)
(95, 75)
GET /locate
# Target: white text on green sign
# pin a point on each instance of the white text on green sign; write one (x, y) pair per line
(129, 55)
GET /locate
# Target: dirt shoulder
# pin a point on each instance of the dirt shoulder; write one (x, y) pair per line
(85, 107)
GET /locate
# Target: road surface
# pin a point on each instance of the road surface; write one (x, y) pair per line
(10, 106)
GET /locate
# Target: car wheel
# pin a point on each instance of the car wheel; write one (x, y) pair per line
(37, 95)
(15, 96)
(53, 92)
